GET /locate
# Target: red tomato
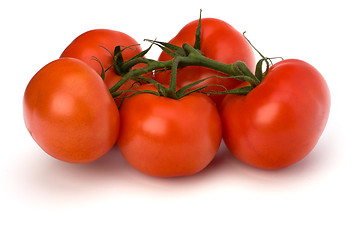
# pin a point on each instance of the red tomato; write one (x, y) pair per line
(164, 137)
(220, 42)
(69, 111)
(92, 43)
(280, 121)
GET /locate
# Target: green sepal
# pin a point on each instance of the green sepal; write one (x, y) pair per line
(118, 55)
(248, 75)
(152, 81)
(135, 92)
(258, 70)
(171, 49)
(163, 91)
(168, 51)
(182, 91)
(197, 44)
(195, 90)
(102, 74)
(208, 92)
(143, 53)
(118, 60)
(238, 91)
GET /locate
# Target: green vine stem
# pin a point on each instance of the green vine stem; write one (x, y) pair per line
(192, 57)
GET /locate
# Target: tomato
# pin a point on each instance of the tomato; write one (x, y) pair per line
(93, 43)
(165, 137)
(280, 121)
(220, 42)
(69, 111)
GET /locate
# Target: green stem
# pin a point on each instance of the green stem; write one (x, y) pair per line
(126, 66)
(172, 88)
(238, 69)
(151, 65)
(193, 58)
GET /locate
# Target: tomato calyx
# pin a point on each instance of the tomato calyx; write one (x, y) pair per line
(182, 57)
(118, 61)
(259, 72)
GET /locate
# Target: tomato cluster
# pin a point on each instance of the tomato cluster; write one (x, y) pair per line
(168, 117)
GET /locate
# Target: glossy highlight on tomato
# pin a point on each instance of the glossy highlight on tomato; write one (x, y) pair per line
(164, 137)
(69, 111)
(280, 121)
(219, 41)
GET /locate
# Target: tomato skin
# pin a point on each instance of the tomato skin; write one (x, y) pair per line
(69, 111)
(164, 137)
(92, 43)
(281, 120)
(220, 42)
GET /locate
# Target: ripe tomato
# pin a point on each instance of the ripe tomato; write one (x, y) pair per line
(280, 121)
(69, 111)
(220, 42)
(164, 137)
(93, 43)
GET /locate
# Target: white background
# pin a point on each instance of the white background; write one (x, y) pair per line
(43, 198)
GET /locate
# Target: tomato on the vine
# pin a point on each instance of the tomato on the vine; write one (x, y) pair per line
(164, 137)
(69, 111)
(100, 43)
(280, 121)
(219, 41)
